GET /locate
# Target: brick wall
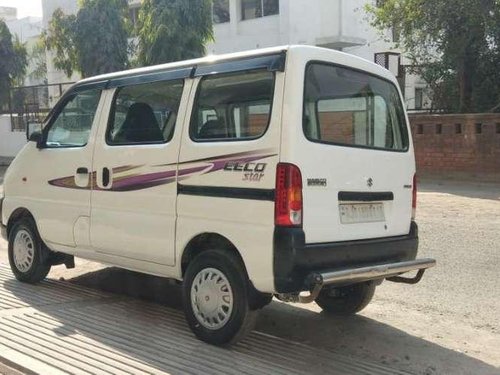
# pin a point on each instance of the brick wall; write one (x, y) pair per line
(466, 145)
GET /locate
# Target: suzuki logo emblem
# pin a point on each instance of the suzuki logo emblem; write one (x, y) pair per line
(369, 182)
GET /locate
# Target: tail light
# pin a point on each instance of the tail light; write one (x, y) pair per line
(288, 200)
(414, 198)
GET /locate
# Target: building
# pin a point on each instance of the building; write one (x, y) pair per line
(248, 24)
(55, 76)
(8, 13)
(338, 24)
(28, 30)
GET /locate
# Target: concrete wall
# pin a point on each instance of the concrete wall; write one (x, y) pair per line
(457, 145)
(10, 142)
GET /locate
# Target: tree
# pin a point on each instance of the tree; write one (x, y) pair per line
(94, 41)
(20, 61)
(172, 30)
(38, 60)
(453, 44)
(13, 62)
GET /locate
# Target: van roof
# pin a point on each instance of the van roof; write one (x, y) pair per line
(214, 59)
(187, 63)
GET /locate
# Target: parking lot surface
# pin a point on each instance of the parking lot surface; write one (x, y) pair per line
(446, 324)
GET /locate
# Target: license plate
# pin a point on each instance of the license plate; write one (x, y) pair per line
(361, 213)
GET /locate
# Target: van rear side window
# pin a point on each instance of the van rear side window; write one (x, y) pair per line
(233, 107)
(352, 108)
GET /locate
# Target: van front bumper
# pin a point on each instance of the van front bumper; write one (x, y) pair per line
(299, 266)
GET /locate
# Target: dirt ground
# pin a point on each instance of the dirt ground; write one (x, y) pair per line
(447, 324)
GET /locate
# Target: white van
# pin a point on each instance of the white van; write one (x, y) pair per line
(284, 172)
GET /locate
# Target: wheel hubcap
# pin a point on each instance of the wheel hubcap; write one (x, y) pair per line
(211, 298)
(23, 250)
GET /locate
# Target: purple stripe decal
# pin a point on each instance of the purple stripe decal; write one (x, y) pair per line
(144, 181)
(193, 170)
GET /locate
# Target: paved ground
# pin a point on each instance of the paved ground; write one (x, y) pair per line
(58, 328)
(447, 324)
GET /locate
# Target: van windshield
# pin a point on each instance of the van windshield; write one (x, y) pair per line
(351, 108)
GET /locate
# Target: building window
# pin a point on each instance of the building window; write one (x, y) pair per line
(220, 11)
(259, 8)
(134, 18)
(419, 98)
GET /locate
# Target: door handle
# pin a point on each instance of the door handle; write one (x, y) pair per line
(105, 177)
(82, 170)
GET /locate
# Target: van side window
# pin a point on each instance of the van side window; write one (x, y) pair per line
(73, 123)
(232, 107)
(347, 107)
(143, 114)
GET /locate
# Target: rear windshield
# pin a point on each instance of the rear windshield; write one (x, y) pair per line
(351, 108)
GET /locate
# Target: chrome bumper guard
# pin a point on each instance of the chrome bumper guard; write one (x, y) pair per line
(390, 271)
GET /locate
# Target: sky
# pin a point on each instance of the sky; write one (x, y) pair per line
(24, 7)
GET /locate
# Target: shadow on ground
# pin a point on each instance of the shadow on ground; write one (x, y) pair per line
(357, 335)
(77, 330)
(467, 189)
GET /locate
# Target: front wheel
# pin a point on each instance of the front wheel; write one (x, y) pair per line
(25, 252)
(215, 296)
(346, 300)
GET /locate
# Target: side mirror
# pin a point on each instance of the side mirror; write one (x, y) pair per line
(32, 127)
(37, 138)
(34, 133)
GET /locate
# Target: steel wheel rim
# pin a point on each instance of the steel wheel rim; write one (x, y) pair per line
(211, 298)
(23, 250)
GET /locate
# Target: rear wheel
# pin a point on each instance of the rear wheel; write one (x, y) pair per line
(215, 296)
(25, 252)
(346, 300)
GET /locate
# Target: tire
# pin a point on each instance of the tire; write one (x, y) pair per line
(202, 295)
(346, 300)
(25, 255)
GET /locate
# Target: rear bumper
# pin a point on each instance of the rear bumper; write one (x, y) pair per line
(294, 260)
(361, 274)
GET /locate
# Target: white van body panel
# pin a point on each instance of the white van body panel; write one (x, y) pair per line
(344, 168)
(247, 224)
(32, 183)
(148, 230)
(135, 216)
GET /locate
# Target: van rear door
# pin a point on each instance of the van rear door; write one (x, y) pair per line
(357, 163)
